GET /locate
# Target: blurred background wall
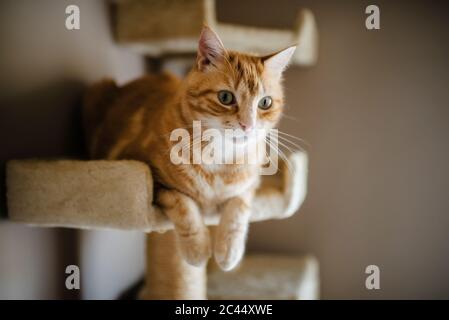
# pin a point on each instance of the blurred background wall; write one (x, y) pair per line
(374, 112)
(44, 70)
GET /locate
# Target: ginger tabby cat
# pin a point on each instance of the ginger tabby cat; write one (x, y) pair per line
(224, 90)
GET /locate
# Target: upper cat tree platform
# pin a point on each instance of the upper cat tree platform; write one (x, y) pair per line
(118, 194)
(167, 27)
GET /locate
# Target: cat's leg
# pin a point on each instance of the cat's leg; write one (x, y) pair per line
(193, 235)
(230, 234)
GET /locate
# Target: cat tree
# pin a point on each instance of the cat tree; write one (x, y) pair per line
(118, 194)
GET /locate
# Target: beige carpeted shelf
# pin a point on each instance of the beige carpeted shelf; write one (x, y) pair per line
(266, 277)
(118, 194)
(174, 28)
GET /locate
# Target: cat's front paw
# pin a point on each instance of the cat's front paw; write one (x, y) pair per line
(196, 247)
(229, 248)
(193, 237)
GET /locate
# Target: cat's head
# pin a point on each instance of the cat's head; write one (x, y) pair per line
(232, 90)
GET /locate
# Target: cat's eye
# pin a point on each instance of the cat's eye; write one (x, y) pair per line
(226, 97)
(265, 103)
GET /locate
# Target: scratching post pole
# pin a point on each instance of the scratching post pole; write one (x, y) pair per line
(168, 276)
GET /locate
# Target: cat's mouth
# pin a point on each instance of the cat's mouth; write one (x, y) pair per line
(234, 135)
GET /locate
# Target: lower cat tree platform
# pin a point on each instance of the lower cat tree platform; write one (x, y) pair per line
(118, 195)
(264, 276)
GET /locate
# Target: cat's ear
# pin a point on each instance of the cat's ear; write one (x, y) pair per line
(276, 63)
(210, 49)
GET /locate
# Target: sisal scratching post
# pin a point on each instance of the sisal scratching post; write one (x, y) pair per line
(168, 276)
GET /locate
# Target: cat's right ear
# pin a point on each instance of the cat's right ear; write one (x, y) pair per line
(210, 49)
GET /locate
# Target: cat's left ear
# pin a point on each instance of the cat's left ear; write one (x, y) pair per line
(210, 49)
(277, 62)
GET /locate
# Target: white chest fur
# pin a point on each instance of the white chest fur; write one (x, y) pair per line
(218, 187)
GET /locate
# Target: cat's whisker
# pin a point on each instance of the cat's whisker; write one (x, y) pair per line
(291, 136)
(292, 144)
(286, 146)
(280, 153)
(288, 137)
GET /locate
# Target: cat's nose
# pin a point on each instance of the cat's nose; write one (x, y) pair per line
(245, 127)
